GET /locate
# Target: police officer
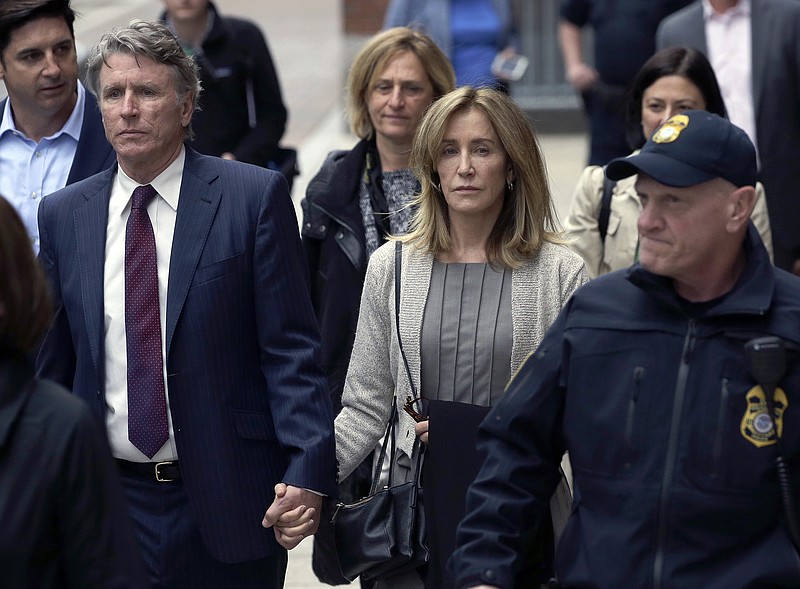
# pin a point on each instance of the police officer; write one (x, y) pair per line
(646, 380)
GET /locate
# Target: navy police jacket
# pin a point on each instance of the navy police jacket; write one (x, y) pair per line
(672, 454)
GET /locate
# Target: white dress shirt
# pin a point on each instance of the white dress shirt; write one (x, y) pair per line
(163, 212)
(30, 170)
(729, 40)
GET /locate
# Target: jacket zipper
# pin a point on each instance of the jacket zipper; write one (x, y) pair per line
(723, 404)
(672, 455)
(637, 377)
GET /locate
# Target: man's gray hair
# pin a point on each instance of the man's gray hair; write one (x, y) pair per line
(154, 40)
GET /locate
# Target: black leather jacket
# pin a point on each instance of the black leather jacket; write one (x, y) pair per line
(333, 237)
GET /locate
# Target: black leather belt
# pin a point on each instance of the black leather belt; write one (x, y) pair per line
(162, 472)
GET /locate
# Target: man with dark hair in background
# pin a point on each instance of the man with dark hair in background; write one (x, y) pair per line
(51, 134)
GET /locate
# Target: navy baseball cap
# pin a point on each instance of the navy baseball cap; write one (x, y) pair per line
(690, 148)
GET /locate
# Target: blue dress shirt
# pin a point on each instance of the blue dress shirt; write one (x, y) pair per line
(30, 170)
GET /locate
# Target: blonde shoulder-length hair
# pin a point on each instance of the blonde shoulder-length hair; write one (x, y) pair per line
(527, 218)
(373, 59)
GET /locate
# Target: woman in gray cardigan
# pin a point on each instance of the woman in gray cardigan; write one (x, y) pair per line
(484, 274)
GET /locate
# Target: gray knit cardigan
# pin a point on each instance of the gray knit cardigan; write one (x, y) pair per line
(539, 289)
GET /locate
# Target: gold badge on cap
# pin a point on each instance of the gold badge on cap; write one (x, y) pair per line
(757, 426)
(671, 130)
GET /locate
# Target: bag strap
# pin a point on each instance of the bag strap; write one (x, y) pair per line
(605, 206)
(389, 435)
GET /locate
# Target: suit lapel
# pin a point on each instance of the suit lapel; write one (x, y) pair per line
(197, 206)
(91, 221)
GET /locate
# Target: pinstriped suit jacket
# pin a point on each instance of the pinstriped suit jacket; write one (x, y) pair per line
(248, 400)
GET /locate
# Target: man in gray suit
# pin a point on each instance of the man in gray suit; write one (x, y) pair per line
(761, 87)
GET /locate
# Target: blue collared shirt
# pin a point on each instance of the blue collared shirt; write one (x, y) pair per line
(30, 170)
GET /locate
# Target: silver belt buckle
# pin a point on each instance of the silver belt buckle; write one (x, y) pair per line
(160, 478)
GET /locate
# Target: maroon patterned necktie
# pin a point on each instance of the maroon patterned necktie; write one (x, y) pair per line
(147, 404)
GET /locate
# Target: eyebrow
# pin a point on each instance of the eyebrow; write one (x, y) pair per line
(478, 140)
(403, 81)
(66, 41)
(137, 86)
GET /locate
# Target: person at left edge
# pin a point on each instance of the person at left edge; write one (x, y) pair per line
(246, 405)
(50, 131)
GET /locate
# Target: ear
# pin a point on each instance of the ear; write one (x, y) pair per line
(187, 109)
(741, 201)
(510, 175)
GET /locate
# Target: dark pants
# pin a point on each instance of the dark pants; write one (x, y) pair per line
(173, 551)
(605, 109)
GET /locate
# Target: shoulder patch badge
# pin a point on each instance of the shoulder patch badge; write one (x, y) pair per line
(671, 130)
(757, 427)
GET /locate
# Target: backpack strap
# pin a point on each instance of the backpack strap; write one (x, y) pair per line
(605, 206)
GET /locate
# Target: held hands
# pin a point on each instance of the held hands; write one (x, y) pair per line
(292, 514)
(421, 429)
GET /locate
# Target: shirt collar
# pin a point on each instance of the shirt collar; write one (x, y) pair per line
(72, 127)
(741, 9)
(167, 184)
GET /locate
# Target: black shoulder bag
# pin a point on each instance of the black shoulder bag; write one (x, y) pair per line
(383, 534)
